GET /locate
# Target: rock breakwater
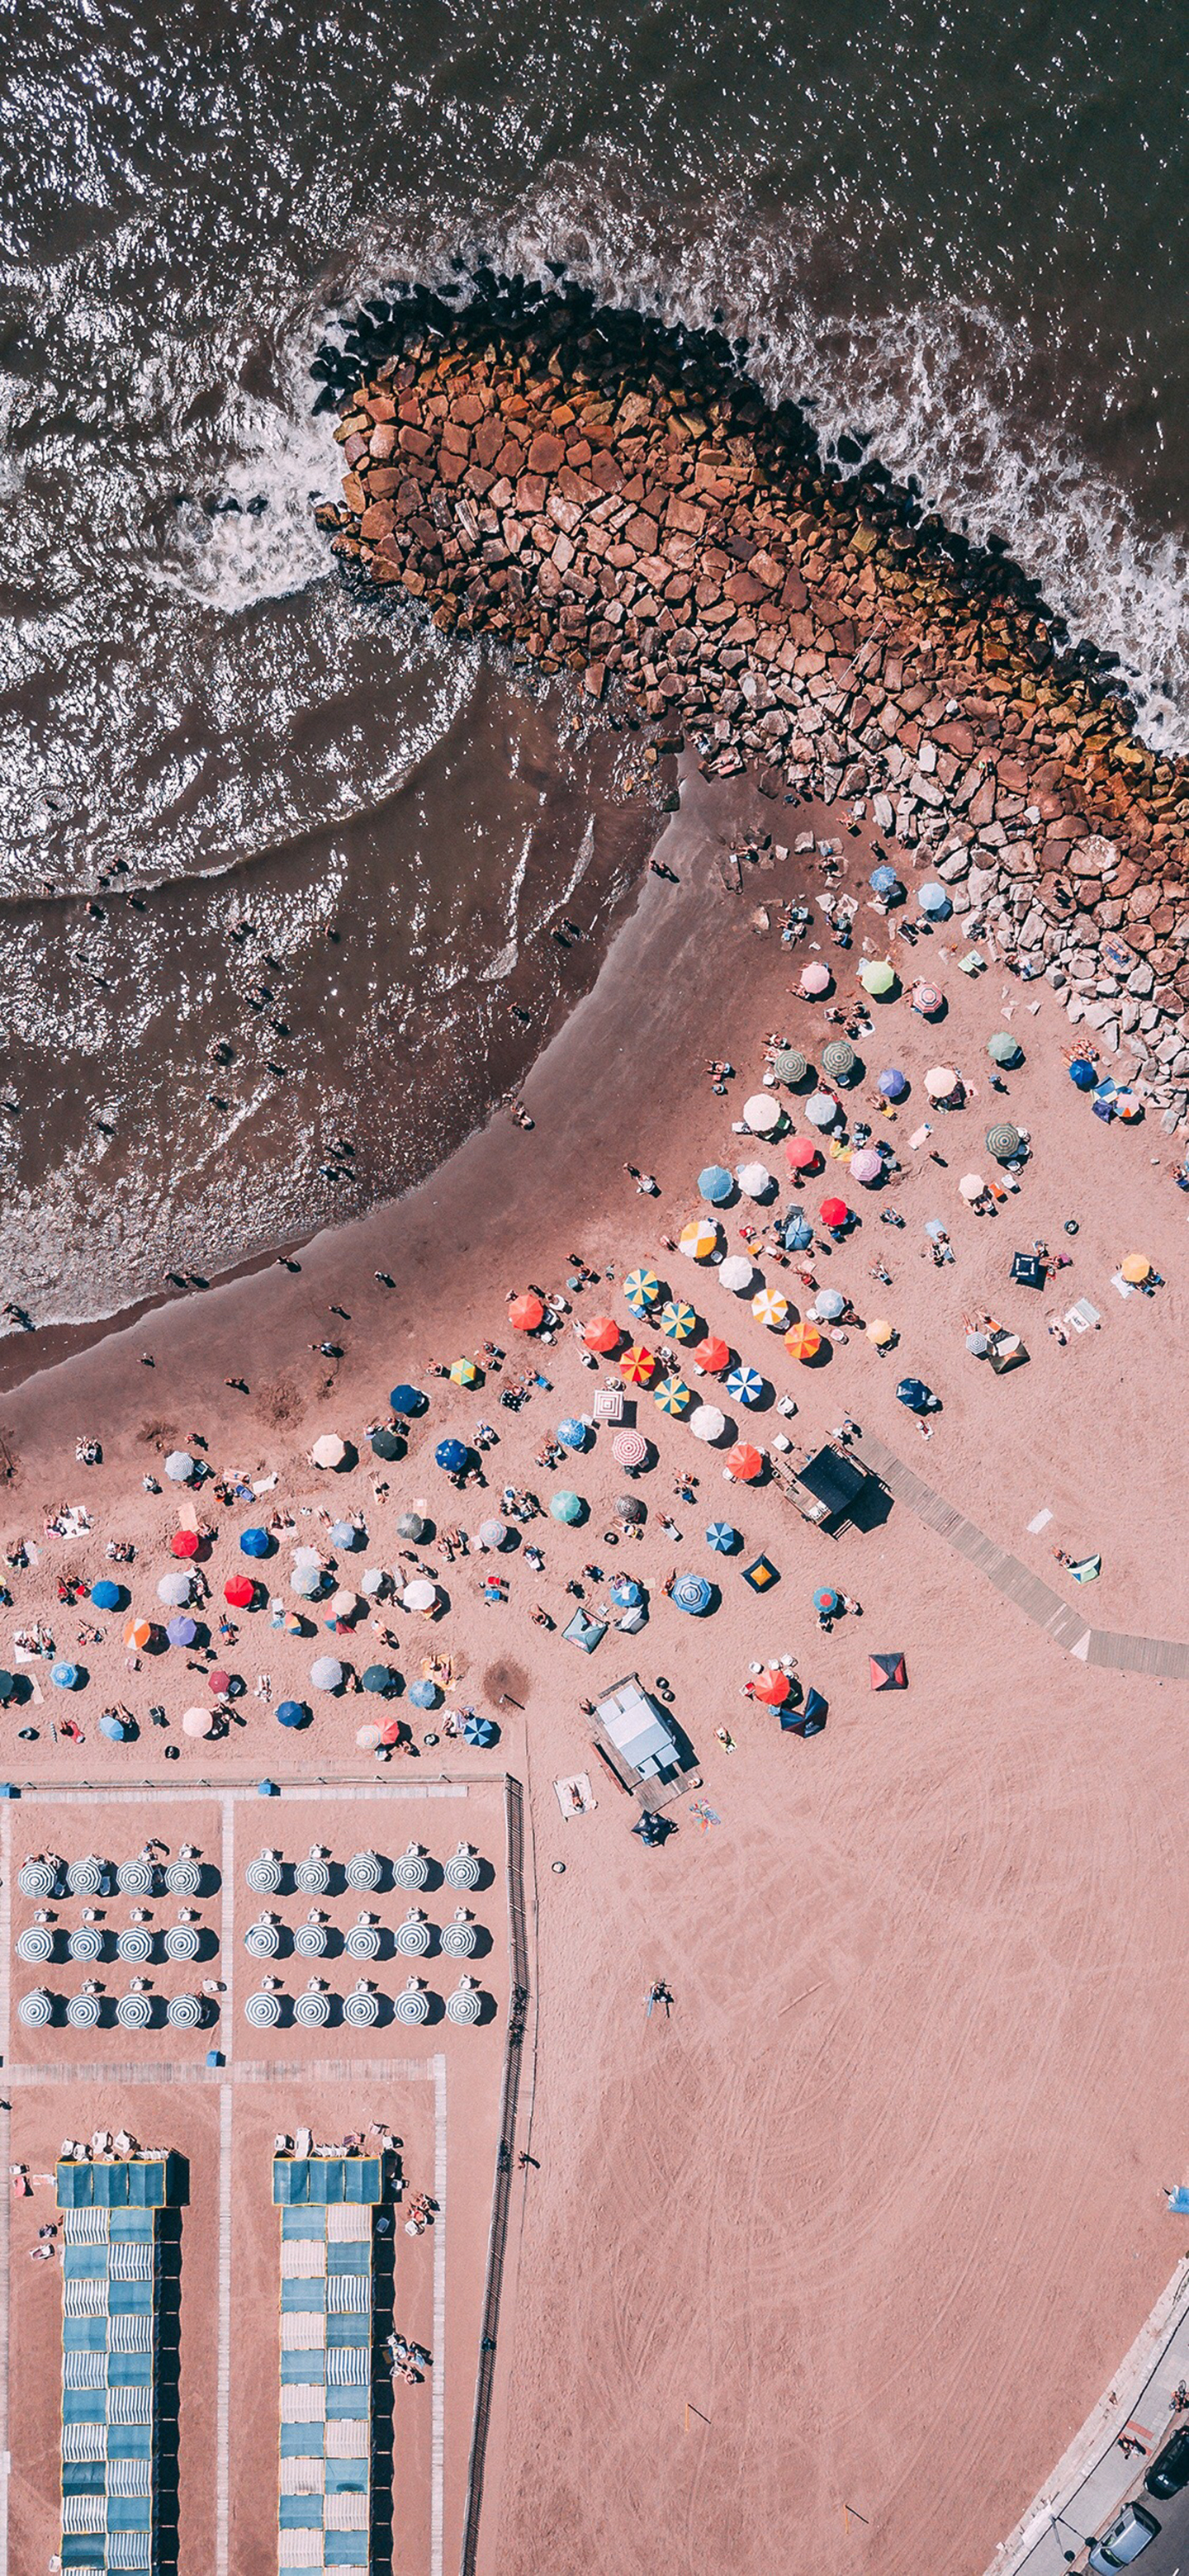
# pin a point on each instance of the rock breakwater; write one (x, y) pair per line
(615, 498)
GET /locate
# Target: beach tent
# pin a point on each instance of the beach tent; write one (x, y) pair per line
(808, 1719)
(760, 1575)
(1028, 1270)
(887, 1672)
(584, 1632)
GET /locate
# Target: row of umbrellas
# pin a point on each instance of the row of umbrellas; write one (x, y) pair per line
(361, 2009)
(133, 2011)
(365, 1870)
(43, 1876)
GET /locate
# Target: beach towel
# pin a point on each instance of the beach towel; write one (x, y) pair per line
(575, 1796)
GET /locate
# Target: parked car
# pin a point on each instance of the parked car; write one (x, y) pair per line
(1169, 2471)
(1129, 2533)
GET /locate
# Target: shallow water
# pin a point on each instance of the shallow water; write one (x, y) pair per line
(962, 237)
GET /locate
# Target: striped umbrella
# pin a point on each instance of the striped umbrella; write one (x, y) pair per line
(83, 2012)
(134, 2012)
(313, 1875)
(638, 1364)
(839, 1060)
(789, 1065)
(184, 2012)
(262, 2011)
(363, 1941)
(803, 1342)
(629, 1449)
(692, 1592)
(361, 2008)
(926, 998)
(1003, 1142)
(184, 1877)
(36, 1945)
(641, 1288)
(464, 1867)
(458, 1940)
(463, 1373)
(36, 2009)
(672, 1395)
(365, 1869)
(311, 1940)
(312, 2008)
(262, 1941)
(722, 1538)
(413, 2004)
(87, 1943)
(466, 2002)
(745, 1384)
(264, 1875)
(135, 1945)
(135, 1877)
(677, 1320)
(413, 1937)
(770, 1308)
(86, 1877)
(36, 1878)
(698, 1240)
(411, 1867)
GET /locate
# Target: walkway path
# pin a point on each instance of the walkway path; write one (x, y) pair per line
(1164, 1657)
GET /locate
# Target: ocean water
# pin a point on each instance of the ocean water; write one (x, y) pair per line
(960, 234)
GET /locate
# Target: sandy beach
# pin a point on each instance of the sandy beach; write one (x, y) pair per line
(879, 2202)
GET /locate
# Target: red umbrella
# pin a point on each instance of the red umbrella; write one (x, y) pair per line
(602, 1334)
(525, 1313)
(713, 1354)
(638, 1364)
(240, 1591)
(744, 1463)
(801, 1152)
(773, 1689)
(391, 1730)
(218, 1681)
(185, 1542)
(833, 1211)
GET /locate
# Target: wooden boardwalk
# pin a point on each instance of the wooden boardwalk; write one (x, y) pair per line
(1165, 1658)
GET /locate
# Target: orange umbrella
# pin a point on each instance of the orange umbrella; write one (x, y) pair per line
(637, 1365)
(712, 1354)
(525, 1313)
(601, 1334)
(773, 1689)
(803, 1342)
(744, 1463)
(138, 1633)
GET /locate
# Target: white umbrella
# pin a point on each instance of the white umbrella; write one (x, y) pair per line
(737, 1274)
(179, 1466)
(328, 1450)
(198, 1721)
(972, 1186)
(371, 1580)
(420, 1595)
(367, 1738)
(762, 1112)
(940, 1080)
(305, 1581)
(326, 1673)
(344, 1605)
(308, 1556)
(707, 1423)
(754, 1179)
(174, 1588)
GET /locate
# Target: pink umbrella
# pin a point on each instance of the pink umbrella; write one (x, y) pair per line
(629, 1449)
(815, 979)
(198, 1721)
(866, 1165)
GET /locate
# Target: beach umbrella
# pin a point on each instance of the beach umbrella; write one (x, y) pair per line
(185, 1542)
(630, 1509)
(677, 1320)
(803, 1342)
(802, 1154)
(913, 1392)
(326, 1673)
(1126, 1106)
(240, 1591)
(834, 1212)
(451, 1456)
(698, 1240)
(977, 1345)
(707, 1423)
(218, 1681)
(875, 974)
(883, 880)
(407, 1399)
(36, 1878)
(770, 1308)
(463, 1373)
(7, 1687)
(926, 997)
(174, 1588)
(641, 1288)
(772, 1689)
(64, 1676)
(830, 1304)
(566, 1506)
(821, 1110)
(1003, 1048)
(762, 1112)
(479, 1731)
(384, 1444)
(866, 1166)
(1083, 1073)
(798, 1232)
(755, 1180)
(892, 1083)
(493, 1533)
(343, 1534)
(637, 1364)
(372, 1580)
(602, 1334)
(692, 1592)
(344, 1603)
(367, 1738)
(365, 1869)
(815, 979)
(940, 1081)
(744, 1463)
(290, 1712)
(137, 1635)
(722, 1537)
(827, 1600)
(629, 1449)
(745, 1384)
(464, 1869)
(572, 1433)
(254, 1542)
(328, 1450)
(36, 2009)
(179, 1466)
(880, 1332)
(181, 1632)
(736, 1274)
(420, 1594)
(672, 1395)
(378, 1678)
(112, 1726)
(412, 1525)
(198, 1721)
(715, 1185)
(713, 1354)
(933, 900)
(626, 1592)
(423, 1694)
(1003, 1142)
(36, 1945)
(789, 1065)
(839, 1060)
(526, 1313)
(106, 1596)
(306, 1581)
(1136, 1268)
(971, 1187)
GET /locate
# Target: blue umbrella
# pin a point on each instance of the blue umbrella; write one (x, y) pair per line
(65, 1676)
(451, 1455)
(1082, 1073)
(572, 1432)
(692, 1592)
(481, 1731)
(423, 1694)
(112, 1726)
(7, 1687)
(254, 1542)
(892, 1083)
(884, 880)
(722, 1538)
(626, 1591)
(379, 1678)
(716, 1185)
(343, 1534)
(290, 1713)
(407, 1399)
(745, 1384)
(107, 1596)
(830, 1304)
(567, 1507)
(798, 1233)
(913, 1392)
(933, 900)
(181, 1632)
(825, 1598)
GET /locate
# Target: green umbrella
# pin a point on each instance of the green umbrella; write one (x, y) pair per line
(838, 1059)
(1003, 1142)
(566, 1507)
(789, 1066)
(1003, 1048)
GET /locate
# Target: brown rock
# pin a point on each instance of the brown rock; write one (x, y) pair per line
(546, 452)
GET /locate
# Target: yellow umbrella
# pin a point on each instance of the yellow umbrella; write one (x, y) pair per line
(880, 1332)
(698, 1240)
(637, 1365)
(672, 1395)
(1136, 1269)
(463, 1373)
(769, 1307)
